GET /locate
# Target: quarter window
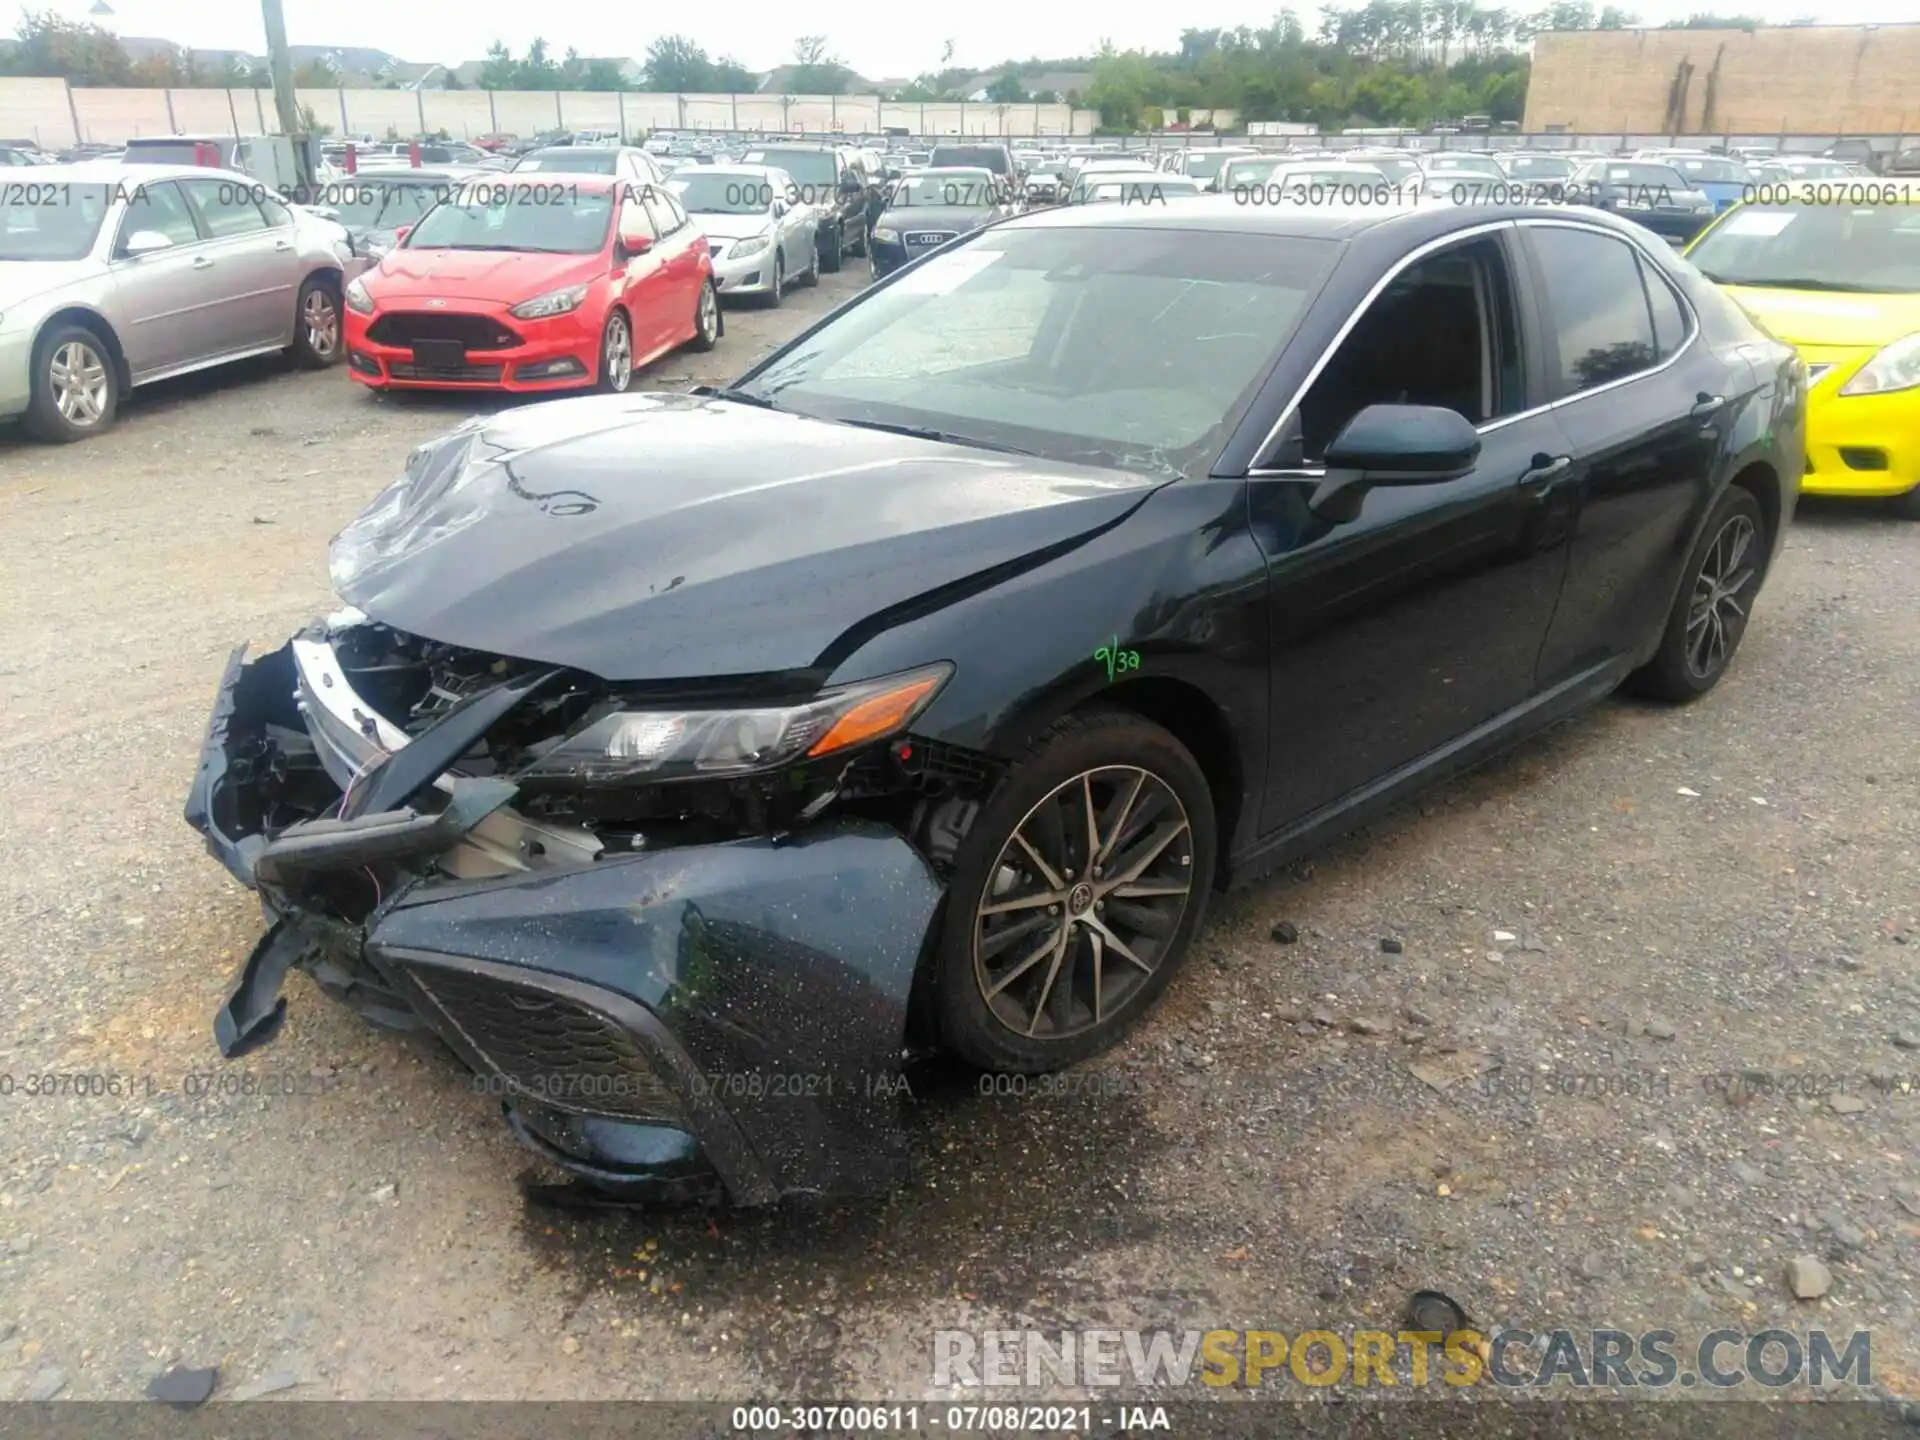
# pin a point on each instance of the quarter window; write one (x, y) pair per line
(1669, 320)
(1591, 286)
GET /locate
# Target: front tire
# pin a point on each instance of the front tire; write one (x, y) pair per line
(811, 276)
(1710, 614)
(707, 324)
(1075, 896)
(616, 355)
(833, 253)
(778, 291)
(316, 326)
(1907, 506)
(76, 386)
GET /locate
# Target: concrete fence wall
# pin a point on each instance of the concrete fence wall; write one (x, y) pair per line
(55, 115)
(1844, 78)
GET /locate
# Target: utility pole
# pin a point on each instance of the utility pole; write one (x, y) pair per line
(285, 106)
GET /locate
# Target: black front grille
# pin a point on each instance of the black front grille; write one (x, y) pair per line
(404, 329)
(550, 1049)
(474, 374)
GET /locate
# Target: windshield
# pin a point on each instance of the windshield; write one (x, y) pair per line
(50, 222)
(1815, 247)
(812, 168)
(1817, 169)
(572, 159)
(1037, 340)
(521, 215)
(1394, 167)
(1539, 167)
(1138, 190)
(1203, 166)
(982, 157)
(381, 205)
(1661, 177)
(1711, 170)
(707, 192)
(1465, 165)
(964, 189)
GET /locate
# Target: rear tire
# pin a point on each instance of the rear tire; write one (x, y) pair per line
(1907, 506)
(1121, 816)
(1710, 614)
(833, 250)
(316, 325)
(76, 386)
(708, 326)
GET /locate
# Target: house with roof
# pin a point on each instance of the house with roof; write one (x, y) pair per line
(1038, 82)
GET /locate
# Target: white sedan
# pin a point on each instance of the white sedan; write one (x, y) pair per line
(759, 227)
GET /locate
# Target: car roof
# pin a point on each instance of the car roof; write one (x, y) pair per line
(1220, 213)
(119, 172)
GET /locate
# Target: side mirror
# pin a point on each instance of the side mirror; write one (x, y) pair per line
(145, 242)
(779, 209)
(400, 234)
(636, 244)
(1393, 445)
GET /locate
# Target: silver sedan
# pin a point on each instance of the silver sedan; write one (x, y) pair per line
(113, 276)
(761, 233)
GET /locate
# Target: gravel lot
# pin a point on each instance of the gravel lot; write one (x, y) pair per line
(1303, 1133)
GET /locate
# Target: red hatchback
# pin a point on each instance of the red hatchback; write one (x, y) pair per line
(531, 287)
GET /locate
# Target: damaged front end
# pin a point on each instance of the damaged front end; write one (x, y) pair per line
(677, 935)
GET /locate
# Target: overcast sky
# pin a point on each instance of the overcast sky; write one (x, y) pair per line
(880, 42)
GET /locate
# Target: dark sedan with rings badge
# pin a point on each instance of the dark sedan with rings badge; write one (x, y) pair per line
(930, 207)
(916, 692)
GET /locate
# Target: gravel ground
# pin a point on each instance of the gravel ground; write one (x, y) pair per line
(1515, 1101)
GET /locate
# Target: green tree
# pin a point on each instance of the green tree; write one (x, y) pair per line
(1007, 90)
(500, 71)
(815, 70)
(47, 45)
(675, 65)
(316, 74)
(732, 77)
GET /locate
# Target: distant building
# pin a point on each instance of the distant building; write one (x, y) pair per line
(1040, 82)
(779, 81)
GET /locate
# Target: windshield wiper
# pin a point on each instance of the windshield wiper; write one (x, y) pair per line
(740, 397)
(945, 437)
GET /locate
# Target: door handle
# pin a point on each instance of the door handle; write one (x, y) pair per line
(282, 246)
(202, 262)
(1705, 405)
(1544, 471)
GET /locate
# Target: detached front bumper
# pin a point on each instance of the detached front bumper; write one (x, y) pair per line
(722, 1021)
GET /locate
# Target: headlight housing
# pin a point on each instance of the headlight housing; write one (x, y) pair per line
(886, 234)
(752, 245)
(1897, 367)
(358, 300)
(554, 302)
(661, 745)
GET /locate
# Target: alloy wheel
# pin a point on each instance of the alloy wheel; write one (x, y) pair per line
(78, 377)
(1722, 592)
(1083, 902)
(322, 321)
(709, 315)
(619, 357)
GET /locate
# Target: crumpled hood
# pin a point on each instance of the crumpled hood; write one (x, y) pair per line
(1827, 317)
(661, 537)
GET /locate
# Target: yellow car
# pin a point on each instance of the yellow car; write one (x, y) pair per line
(1840, 282)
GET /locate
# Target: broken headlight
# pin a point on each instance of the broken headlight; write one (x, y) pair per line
(691, 744)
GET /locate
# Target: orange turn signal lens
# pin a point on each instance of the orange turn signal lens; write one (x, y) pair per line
(877, 716)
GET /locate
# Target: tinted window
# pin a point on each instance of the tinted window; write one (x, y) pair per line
(661, 207)
(226, 207)
(1669, 320)
(161, 208)
(1591, 286)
